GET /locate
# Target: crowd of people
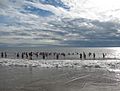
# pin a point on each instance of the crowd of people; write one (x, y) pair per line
(45, 55)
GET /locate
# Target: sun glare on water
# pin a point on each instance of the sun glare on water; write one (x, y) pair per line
(116, 52)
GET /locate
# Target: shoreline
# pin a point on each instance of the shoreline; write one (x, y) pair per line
(61, 63)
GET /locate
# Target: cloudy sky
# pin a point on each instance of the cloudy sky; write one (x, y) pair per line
(59, 23)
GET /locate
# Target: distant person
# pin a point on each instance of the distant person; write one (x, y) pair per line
(80, 56)
(72, 53)
(2, 55)
(57, 56)
(104, 55)
(26, 55)
(84, 55)
(93, 55)
(68, 53)
(50, 54)
(46, 54)
(22, 55)
(43, 56)
(77, 53)
(5, 55)
(18, 55)
(30, 55)
(63, 54)
(89, 54)
(36, 54)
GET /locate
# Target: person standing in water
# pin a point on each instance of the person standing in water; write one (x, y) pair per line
(2, 55)
(80, 56)
(22, 55)
(30, 55)
(43, 55)
(18, 55)
(93, 55)
(5, 55)
(104, 54)
(57, 56)
(84, 55)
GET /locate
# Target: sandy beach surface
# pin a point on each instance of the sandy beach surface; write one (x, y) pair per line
(64, 75)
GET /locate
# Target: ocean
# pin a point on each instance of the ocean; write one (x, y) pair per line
(71, 52)
(84, 75)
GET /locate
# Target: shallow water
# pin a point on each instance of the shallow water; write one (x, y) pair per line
(14, 78)
(112, 52)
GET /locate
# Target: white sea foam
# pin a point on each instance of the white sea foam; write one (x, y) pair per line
(111, 65)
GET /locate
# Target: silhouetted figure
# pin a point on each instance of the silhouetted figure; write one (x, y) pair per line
(18, 55)
(43, 56)
(77, 53)
(68, 53)
(30, 55)
(2, 54)
(80, 56)
(54, 53)
(5, 55)
(26, 55)
(63, 54)
(46, 54)
(72, 53)
(50, 54)
(84, 55)
(89, 54)
(104, 55)
(22, 55)
(93, 55)
(36, 54)
(57, 56)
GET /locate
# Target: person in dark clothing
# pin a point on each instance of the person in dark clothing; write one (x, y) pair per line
(84, 55)
(93, 55)
(2, 55)
(57, 56)
(46, 55)
(54, 53)
(104, 55)
(63, 54)
(68, 53)
(89, 54)
(72, 53)
(26, 55)
(37, 54)
(18, 55)
(5, 55)
(77, 53)
(30, 55)
(50, 54)
(43, 56)
(22, 55)
(80, 56)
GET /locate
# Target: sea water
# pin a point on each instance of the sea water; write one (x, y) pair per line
(111, 52)
(15, 78)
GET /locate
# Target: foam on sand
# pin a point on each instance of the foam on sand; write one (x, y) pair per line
(111, 65)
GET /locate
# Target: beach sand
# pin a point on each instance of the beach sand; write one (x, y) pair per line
(68, 75)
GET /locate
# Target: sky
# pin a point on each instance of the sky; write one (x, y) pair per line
(67, 23)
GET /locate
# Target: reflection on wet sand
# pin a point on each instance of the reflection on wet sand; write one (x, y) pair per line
(57, 79)
(75, 80)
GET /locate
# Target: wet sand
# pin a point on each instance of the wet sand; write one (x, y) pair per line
(14, 78)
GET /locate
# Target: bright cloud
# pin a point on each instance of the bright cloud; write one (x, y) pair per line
(60, 22)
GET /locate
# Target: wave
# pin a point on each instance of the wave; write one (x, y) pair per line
(111, 65)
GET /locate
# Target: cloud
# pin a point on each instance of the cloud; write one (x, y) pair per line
(60, 23)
